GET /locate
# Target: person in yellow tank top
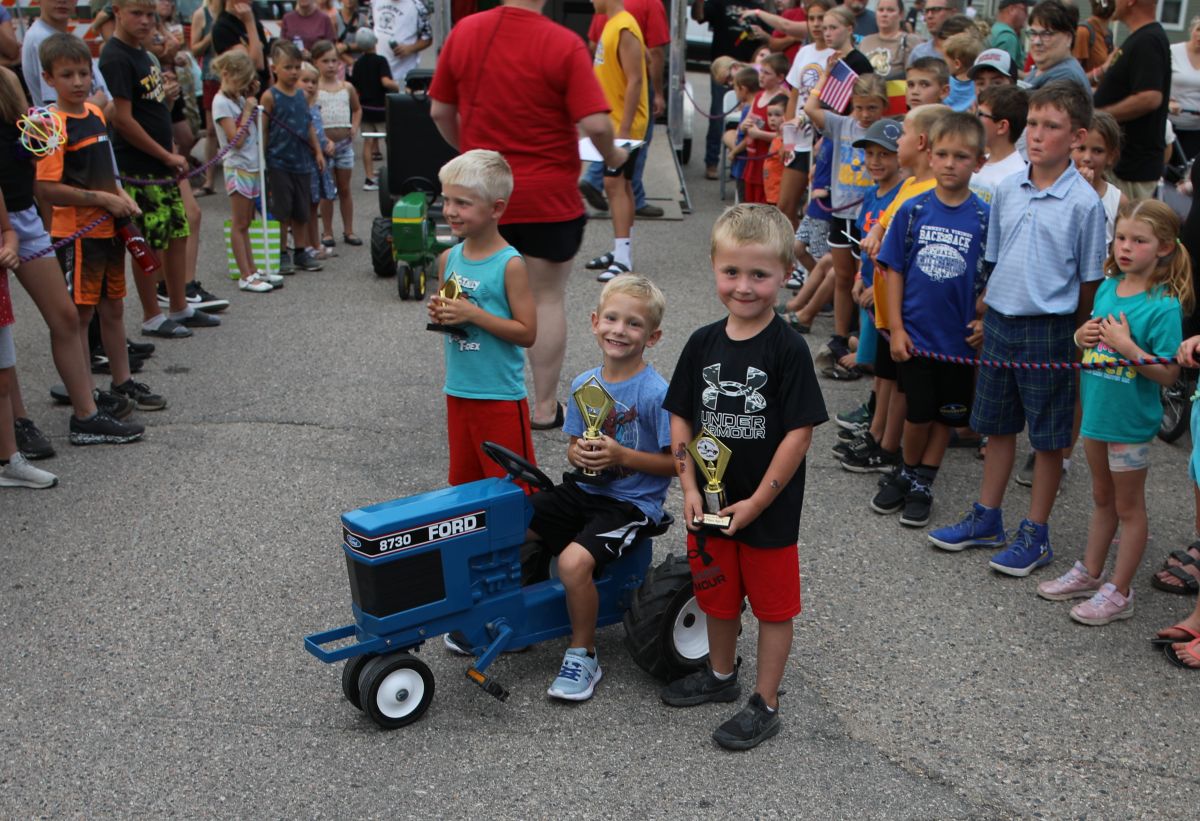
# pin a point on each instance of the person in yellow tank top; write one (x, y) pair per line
(620, 66)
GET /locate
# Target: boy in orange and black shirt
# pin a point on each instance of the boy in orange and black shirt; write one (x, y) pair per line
(79, 180)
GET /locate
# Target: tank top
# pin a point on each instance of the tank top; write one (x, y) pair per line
(483, 366)
(612, 78)
(16, 170)
(335, 108)
(1112, 202)
(287, 150)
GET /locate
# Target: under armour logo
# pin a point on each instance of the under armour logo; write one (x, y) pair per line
(755, 379)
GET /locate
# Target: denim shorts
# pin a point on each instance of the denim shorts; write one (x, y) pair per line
(343, 154)
(1005, 399)
(31, 231)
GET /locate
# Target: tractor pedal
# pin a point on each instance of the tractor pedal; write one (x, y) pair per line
(489, 684)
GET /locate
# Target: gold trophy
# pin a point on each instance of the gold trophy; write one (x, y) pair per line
(594, 405)
(712, 457)
(451, 289)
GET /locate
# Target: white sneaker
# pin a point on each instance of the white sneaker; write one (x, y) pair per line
(255, 284)
(19, 473)
(274, 279)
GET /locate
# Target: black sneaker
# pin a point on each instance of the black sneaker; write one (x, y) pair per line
(917, 504)
(850, 434)
(873, 460)
(31, 442)
(141, 394)
(892, 494)
(701, 687)
(102, 429)
(139, 348)
(845, 447)
(101, 365)
(752, 725)
(202, 300)
(303, 261)
(113, 404)
(199, 319)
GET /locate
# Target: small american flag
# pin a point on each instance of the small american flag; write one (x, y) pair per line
(839, 87)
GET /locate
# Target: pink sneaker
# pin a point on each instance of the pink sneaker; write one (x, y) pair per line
(1076, 583)
(1108, 605)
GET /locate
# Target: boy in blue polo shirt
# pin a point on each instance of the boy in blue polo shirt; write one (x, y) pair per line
(935, 255)
(1046, 243)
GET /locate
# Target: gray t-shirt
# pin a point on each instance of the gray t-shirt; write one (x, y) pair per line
(31, 66)
(1068, 69)
(850, 178)
(245, 156)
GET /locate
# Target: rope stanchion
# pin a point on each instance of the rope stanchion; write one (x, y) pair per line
(200, 169)
(65, 241)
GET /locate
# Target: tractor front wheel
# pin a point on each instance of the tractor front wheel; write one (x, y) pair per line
(381, 248)
(665, 630)
(395, 690)
(350, 673)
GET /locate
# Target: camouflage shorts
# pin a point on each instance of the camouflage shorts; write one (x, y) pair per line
(163, 218)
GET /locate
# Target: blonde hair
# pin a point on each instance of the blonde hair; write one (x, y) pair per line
(844, 16)
(308, 68)
(871, 85)
(754, 223)
(640, 288)
(964, 47)
(922, 118)
(1174, 271)
(721, 68)
(484, 172)
(237, 66)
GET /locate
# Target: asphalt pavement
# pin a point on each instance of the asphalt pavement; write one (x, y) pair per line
(155, 601)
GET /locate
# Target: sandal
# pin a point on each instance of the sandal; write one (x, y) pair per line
(842, 374)
(1163, 641)
(601, 262)
(557, 423)
(1190, 648)
(612, 272)
(1189, 587)
(351, 239)
(1182, 556)
(329, 241)
(793, 319)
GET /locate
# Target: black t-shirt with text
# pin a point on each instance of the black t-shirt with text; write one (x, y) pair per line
(750, 394)
(133, 74)
(1143, 63)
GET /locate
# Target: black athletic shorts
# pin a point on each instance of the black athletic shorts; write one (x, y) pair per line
(937, 391)
(841, 230)
(801, 161)
(288, 195)
(885, 366)
(552, 241)
(605, 527)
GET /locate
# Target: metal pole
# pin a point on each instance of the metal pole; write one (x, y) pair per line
(676, 76)
(262, 190)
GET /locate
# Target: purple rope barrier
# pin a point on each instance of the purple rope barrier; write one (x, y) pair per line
(87, 229)
(200, 169)
(1046, 366)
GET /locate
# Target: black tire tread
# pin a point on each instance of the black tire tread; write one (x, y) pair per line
(646, 623)
(382, 261)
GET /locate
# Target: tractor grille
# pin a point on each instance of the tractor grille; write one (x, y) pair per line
(393, 587)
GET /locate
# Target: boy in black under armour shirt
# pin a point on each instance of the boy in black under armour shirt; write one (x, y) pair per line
(747, 380)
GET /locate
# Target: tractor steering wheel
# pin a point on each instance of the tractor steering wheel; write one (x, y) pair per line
(517, 467)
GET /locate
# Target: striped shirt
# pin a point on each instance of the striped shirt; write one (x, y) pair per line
(1044, 244)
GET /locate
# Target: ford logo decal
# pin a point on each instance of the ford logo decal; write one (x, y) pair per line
(353, 542)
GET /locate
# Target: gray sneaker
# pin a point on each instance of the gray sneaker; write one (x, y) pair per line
(19, 473)
(1025, 474)
(701, 687)
(752, 725)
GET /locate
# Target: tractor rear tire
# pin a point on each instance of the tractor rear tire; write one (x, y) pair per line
(351, 670)
(381, 248)
(665, 630)
(386, 201)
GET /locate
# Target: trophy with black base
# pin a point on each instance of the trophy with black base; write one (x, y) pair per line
(712, 457)
(450, 290)
(595, 404)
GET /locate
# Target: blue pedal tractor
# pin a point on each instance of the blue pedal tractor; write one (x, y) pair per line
(408, 235)
(456, 561)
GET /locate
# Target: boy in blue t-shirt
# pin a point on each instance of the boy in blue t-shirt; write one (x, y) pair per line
(863, 454)
(935, 258)
(495, 317)
(588, 524)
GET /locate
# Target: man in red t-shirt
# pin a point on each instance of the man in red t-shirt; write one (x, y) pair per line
(651, 16)
(538, 85)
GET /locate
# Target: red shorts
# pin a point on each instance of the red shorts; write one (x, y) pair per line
(724, 571)
(754, 190)
(471, 422)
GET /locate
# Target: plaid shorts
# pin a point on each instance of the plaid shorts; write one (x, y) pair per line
(1005, 399)
(163, 218)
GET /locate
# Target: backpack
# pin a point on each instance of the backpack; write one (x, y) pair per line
(1109, 44)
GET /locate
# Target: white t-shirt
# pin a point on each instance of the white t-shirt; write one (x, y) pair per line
(985, 180)
(40, 91)
(402, 22)
(244, 156)
(1185, 87)
(1112, 204)
(805, 74)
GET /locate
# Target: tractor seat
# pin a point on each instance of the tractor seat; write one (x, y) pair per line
(659, 529)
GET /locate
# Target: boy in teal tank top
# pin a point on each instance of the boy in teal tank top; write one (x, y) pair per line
(485, 369)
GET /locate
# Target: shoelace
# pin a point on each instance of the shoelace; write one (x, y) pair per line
(919, 485)
(571, 670)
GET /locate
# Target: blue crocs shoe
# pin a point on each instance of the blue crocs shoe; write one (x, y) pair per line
(982, 527)
(578, 676)
(1028, 551)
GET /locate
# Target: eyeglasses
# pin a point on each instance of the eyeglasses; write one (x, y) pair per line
(1042, 34)
(985, 116)
(938, 9)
